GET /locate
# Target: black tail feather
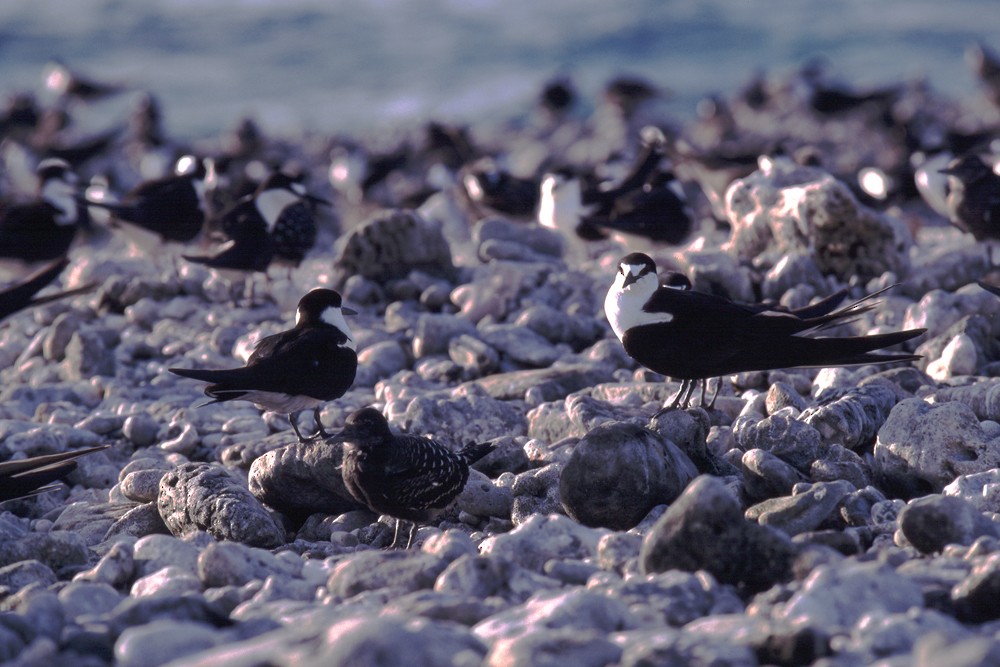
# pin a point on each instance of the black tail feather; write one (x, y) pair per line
(472, 453)
(32, 476)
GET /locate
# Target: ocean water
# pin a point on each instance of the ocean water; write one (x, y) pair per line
(339, 66)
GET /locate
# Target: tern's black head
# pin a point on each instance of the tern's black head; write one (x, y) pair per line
(968, 168)
(675, 280)
(636, 259)
(322, 305)
(365, 427)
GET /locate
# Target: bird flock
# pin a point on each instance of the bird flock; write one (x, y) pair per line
(241, 205)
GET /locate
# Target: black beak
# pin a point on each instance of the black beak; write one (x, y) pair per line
(348, 311)
(629, 279)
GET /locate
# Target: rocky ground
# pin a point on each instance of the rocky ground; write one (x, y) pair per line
(826, 517)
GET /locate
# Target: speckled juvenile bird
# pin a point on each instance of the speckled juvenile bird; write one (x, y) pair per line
(974, 196)
(408, 477)
(295, 370)
(33, 476)
(275, 222)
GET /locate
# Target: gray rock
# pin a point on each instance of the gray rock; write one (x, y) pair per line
(557, 326)
(396, 642)
(471, 416)
(84, 598)
(766, 476)
(616, 550)
(142, 486)
(538, 239)
(839, 463)
(853, 420)
(451, 607)
(982, 396)
(302, 479)
(519, 344)
(133, 612)
(141, 429)
(473, 354)
(703, 528)
(783, 395)
(56, 549)
(397, 571)
(931, 523)
(896, 634)
(547, 384)
(390, 245)
(483, 577)
(157, 643)
(155, 552)
(786, 209)
(16, 576)
(201, 496)
(934, 649)
(923, 447)
(139, 521)
(802, 511)
(380, 360)
(482, 498)
(89, 353)
(982, 489)
(449, 545)
(574, 417)
(169, 581)
(834, 598)
(676, 597)
(497, 287)
(41, 610)
(554, 648)
(435, 331)
(578, 609)
(618, 472)
(233, 564)
(665, 646)
(536, 492)
(115, 568)
(792, 441)
(541, 538)
(975, 596)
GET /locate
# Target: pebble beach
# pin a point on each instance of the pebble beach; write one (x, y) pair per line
(835, 517)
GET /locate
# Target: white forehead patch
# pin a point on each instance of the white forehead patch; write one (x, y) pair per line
(271, 203)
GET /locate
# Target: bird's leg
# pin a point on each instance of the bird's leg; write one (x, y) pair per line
(676, 403)
(320, 433)
(412, 534)
(295, 427)
(704, 387)
(409, 534)
(718, 389)
(688, 393)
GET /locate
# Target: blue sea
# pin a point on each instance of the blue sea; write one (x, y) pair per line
(339, 66)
